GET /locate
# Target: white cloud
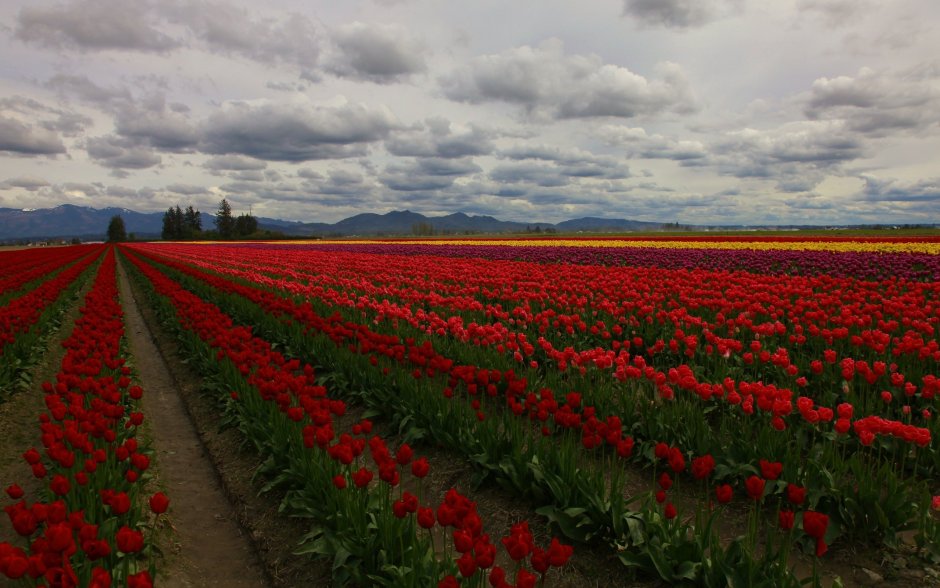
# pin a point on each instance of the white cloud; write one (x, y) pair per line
(546, 80)
(542, 112)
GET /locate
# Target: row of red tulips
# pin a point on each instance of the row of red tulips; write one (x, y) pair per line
(19, 268)
(280, 407)
(778, 403)
(90, 529)
(23, 311)
(814, 402)
(28, 312)
(484, 383)
(884, 337)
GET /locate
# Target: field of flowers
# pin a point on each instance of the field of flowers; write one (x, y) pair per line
(631, 392)
(89, 528)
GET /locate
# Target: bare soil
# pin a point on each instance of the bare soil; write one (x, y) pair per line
(267, 538)
(207, 546)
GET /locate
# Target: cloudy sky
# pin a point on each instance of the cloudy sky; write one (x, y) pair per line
(696, 111)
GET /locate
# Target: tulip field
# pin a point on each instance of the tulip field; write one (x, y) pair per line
(708, 411)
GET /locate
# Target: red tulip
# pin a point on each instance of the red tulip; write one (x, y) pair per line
(755, 487)
(129, 540)
(159, 503)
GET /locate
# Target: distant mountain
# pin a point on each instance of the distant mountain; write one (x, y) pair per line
(68, 220)
(406, 222)
(601, 225)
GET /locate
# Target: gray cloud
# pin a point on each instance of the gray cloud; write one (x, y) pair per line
(68, 124)
(573, 163)
(375, 52)
(796, 155)
(892, 190)
(810, 202)
(84, 89)
(118, 153)
(835, 13)
(125, 192)
(147, 120)
(544, 80)
(294, 132)
(287, 86)
(679, 14)
(532, 173)
(93, 25)
(28, 183)
(427, 174)
(218, 27)
(158, 127)
(309, 174)
(339, 182)
(234, 162)
(64, 122)
(230, 30)
(596, 171)
(878, 104)
(437, 138)
(638, 143)
(22, 139)
(186, 189)
(246, 176)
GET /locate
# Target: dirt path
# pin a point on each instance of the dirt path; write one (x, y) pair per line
(209, 547)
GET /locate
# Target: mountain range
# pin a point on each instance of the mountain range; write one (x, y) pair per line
(70, 221)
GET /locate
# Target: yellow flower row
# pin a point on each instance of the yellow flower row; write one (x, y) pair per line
(913, 246)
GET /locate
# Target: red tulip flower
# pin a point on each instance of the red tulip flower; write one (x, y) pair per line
(159, 503)
(815, 525)
(724, 493)
(129, 540)
(755, 487)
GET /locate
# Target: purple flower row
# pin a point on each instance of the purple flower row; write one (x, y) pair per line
(863, 265)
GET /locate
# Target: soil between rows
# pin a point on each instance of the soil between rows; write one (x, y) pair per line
(207, 546)
(271, 536)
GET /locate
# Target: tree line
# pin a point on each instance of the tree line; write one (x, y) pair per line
(180, 225)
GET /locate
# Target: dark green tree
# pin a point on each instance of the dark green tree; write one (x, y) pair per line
(116, 230)
(245, 225)
(224, 223)
(192, 222)
(173, 223)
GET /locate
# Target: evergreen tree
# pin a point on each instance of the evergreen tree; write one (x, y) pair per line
(173, 223)
(245, 225)
(224, 223)
(116, 231)
(192, 222)
(167, 233)
(179, 222)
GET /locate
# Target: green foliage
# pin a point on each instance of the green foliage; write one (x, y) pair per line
(116, 230)
(224, 222)
(245, 225)
(179, 224)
